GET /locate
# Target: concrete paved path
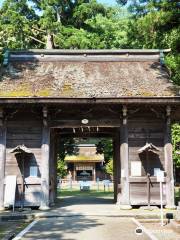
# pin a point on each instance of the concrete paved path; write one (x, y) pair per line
(85, 218)
(86, 205)
(85, 228)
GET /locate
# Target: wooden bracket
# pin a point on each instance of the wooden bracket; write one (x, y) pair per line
(168, 114)
(124, 113)
(168, 111)
(124, 110)
(45, 116)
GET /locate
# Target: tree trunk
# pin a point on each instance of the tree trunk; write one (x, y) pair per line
(58, 16)
(49, 41)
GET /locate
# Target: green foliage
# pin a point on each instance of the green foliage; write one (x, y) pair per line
(60, 24)
(173, 63)
(143, 7)
(156, 24)
(176, 143)
(111, 32)
(109, 167)
(61, 168)
(66, 146)
(105, 146)
(15, 24)
(100, 32)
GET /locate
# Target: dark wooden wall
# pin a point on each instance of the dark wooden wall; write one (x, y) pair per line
(24, 128)
(145, 126)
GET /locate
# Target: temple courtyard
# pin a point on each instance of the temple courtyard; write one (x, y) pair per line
(92, 214)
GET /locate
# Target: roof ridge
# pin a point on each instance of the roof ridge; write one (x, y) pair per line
(88, 51)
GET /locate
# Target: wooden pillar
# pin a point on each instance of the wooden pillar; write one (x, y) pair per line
(52, 169)
(124, 200)
(2, 158)
(74, 172)
(116, 166)
(94, 173)
(45, 158)
(55, 162)
(168, 162)
(114, 171)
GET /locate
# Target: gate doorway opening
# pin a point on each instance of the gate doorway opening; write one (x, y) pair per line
(86, 165)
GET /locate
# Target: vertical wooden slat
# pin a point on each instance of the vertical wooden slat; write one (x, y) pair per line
(168, 161)
(2, 158)
(45, 157)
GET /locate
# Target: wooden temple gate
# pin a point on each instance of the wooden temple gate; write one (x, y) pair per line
(122, 94)
(40, 128)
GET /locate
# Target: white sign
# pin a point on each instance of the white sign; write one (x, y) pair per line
(160, 176)
(136, 169)
(10, 191)
(106, 183)
(156, 170)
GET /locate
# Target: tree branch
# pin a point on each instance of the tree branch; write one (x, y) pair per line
(39, 30)
(37, 40)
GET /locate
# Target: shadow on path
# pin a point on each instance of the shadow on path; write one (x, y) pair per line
(61, 228)
(84, 216)
(82, 200)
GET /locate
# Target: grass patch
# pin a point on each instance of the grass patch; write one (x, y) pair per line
(8, 228)
(177, 194)
(90, 193)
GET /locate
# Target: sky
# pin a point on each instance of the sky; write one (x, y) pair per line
(108, 2)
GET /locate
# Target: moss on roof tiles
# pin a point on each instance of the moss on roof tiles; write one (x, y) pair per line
(85, 79)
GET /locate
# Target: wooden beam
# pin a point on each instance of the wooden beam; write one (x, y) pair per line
(86, 135)
(78, 124)
(2, 158)
(168, 161)
(120, 100)
(99, 132)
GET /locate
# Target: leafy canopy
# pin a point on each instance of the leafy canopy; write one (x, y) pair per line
(176, 143)
(60, 24)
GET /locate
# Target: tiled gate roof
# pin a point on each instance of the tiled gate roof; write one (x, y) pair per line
(88, 73)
